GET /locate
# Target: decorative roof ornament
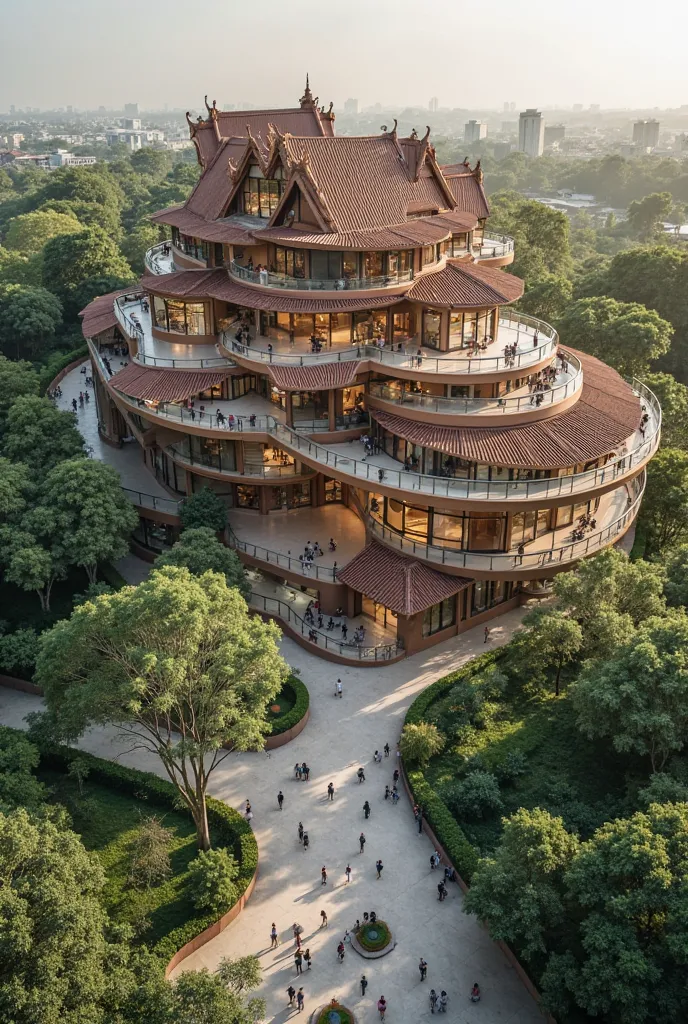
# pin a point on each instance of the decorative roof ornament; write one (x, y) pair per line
(307, 98)
(231, 170)
(414, 134)
(478, 173)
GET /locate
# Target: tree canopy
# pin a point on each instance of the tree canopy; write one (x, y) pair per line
(17, 378)
(177, 663)
(624, 334)
(29, 320)
(199, 551)
(29, 232)
(665, 504)
(40, 436)
(69, 260)
(204, 508)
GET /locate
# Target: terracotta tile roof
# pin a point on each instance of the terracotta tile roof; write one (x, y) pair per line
(99, 315)
(184, 283)
(404, 585)
(319, 377)
(225, 230)
(364, 181)
(297, 120)
(420, 231)
(467, 190)
(604, 417)
(152, 384)
(467, 284)
(211, 194)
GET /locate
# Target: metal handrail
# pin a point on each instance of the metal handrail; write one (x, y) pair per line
(150, 258)
(250, 469)
(491, 247)
(398, 395)
(271, 279)
(136, 333)
(508, 561)
(280, 560)
(282, 610)
(152, 501)
(447, 363)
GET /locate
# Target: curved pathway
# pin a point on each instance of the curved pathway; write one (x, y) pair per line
(341, 735)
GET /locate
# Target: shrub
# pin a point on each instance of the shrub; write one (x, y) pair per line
(211, 880)
(57, 362)
(513, 765)
(463, 855)
(204, 508)
(663, 789)
(18, 653)
(374, 936)
(150, 859)
(476, 796)
(420, 742)
(297, 691)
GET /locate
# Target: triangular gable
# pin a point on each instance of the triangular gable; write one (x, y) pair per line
(298, 185)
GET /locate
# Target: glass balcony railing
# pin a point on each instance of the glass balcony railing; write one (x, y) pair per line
(269, 279)
(494, 247)
(279, 560)
(225, 463)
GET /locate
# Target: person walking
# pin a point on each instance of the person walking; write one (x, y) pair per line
(388, 792)
(339, 687)
(486, 634)
(274, 941)
(386, 749)
(299, 999)
(323, 875)
(361, 775)
(420, 821)
(306, 841)
(395, 776)
(291, 992)
(280, 799)
(433, 1000)
(366, 809)
(395, 796)
(307, 959)
(330, 791)
(298, 961)
(340, 952)
(382, 1007)
(443, 1001)
(423, 968)
(323, 919)
(378, 867)
(361, 841)
(364, 984)
(347, 872)
(300, 832)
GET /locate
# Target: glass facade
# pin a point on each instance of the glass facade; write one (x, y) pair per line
(261, 196)
(439, 616)
(460, 531)
(179, 317)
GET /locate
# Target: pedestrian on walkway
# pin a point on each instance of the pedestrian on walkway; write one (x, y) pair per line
(364, 984)
(323, 875)
(300, 832)
(387, 792)
(395, 796)
(280, 799)
(306, 841)
(339, 687)
(386, 748)
(299, 999)
(366, 809)
(306, 771)
(433, 1000)
(298, 961)
(487, 634)
(361, 776)
(347, 872)
(361, 841)
(382, 1007)
(298, 941)
(423, 968)
(443, 1001)
(274, 941)
(378, 867)
(330, 791)
(395, 776)
(307, 959)
(291, 992)
(323, 919)
(340, 952)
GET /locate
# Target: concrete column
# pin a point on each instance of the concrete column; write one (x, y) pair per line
(331, 410)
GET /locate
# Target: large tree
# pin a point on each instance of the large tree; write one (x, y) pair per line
(673, 398)
(39, 435)
(69, 259)
(16, 379)
(199, 551)
(550, 639)
(624, 334)
(665, 505)
(86, 514)
(518, 892)
(29, 320)
(29, 232)
(548, 298)
(540, 233)
(204, 508)
(178, 664)
(645, 216)
(638, 696)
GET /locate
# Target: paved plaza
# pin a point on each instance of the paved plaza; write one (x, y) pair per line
(342, 734)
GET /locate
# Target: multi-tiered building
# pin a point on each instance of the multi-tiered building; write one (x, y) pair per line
(327, 342)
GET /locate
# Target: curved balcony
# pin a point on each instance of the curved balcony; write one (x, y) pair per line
(535, 343)
(494, 248)
(269, 279)
(159, 259)
(171, 506)
(309, 570)
(227, 467)
(523, 402)
(618, 510)
(133, 316)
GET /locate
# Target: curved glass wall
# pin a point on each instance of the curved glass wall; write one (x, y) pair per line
(179, 317)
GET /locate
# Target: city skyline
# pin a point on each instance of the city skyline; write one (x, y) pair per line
(598, 66)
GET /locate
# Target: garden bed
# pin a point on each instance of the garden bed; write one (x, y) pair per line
(332, 1014)
(373, 941)
(289, 713)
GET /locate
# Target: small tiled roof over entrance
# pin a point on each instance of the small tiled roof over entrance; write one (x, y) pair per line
(467, 285)
(318, 377)
(402, 584)
(153, 385)
(99, 315)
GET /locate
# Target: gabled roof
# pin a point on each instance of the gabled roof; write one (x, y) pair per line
(419, 231)
(466, 184)
(467, 284)
(316, 377)
(99, 315)
(229, 229)
(209, 197)
(156, 385)
(402, 584)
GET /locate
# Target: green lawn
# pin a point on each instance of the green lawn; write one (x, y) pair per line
(107, 828)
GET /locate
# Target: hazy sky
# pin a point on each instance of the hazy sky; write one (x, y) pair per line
(469, 53)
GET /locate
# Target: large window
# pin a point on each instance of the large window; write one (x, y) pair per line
(179, 317)
(261, 196)
(439, 616)
(429, 254)
(291, 262)
(432, 320)
(326, 266)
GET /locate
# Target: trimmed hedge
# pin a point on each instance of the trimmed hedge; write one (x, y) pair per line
(57, 363)
(464, 856)
(298, 692)
(383, 938)
(227, 826)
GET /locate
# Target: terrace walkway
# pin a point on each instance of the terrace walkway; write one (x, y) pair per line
(340, 736)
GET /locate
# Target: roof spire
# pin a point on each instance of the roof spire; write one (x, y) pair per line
(307, 98)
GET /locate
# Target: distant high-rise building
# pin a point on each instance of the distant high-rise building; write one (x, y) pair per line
(351, 106)
(531, 132)
(506, 107)
(646, 133)
(554, 133)
(131, 123)
(433, 104)
(474, 131)
(594, 108)
(512, 106)
(131, 110)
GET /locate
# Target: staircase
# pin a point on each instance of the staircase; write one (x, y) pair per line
(253, 457)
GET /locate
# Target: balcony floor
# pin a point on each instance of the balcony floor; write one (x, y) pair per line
(167, 352)
(289, 532)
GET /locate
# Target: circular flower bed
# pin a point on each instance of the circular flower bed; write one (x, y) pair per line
(335, 1013)
(374, 937)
